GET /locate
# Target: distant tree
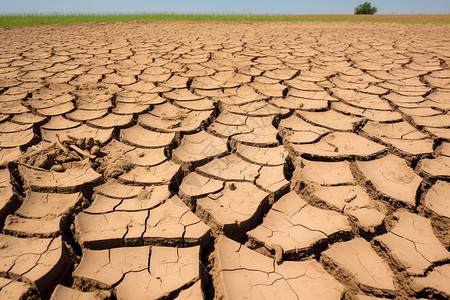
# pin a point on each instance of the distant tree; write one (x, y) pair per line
(365, 9)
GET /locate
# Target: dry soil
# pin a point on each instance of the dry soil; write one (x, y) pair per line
(225, 160)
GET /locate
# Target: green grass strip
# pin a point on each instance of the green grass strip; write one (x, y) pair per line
(35, 19)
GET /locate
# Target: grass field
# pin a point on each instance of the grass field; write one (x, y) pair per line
(33, 19)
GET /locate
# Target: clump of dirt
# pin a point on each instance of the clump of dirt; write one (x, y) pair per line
(113, 169)
(116, 169)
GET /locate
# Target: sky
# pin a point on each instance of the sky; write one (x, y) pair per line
(292, 7)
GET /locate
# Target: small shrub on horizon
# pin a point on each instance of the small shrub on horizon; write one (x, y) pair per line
(365, 9)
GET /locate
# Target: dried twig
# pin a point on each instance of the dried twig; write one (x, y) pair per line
(32, 167)
(82, 152)
(60, 145)
(36, 151)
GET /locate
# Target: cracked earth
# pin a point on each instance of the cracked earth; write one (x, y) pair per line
(225, 160)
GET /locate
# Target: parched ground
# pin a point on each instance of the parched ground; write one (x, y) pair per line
(225, 160)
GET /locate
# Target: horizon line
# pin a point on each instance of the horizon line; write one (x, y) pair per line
(207, 13)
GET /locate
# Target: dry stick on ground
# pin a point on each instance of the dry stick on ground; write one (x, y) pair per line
(36, 151)
(73, 147)
(60, 145)
(32, 167)
(82, 152)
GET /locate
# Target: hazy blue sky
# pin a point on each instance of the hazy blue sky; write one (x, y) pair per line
(224, 6)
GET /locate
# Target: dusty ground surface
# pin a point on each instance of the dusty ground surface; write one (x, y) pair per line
(227, 160)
